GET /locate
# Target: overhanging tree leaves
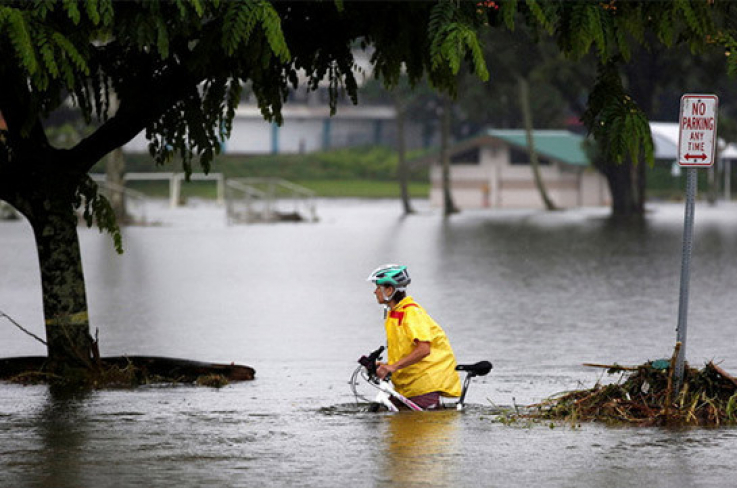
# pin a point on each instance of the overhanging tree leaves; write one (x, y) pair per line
(177, 68)
(613, 30)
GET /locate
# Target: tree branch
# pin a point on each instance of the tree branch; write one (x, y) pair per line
(15, 107)
(138, 108)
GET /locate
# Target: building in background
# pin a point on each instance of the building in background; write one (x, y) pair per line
(666, 140)
(309, 127)
(493, 170)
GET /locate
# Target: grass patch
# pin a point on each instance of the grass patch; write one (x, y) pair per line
(160, 189)
(352, 188)
(359, 172)
(364, 188)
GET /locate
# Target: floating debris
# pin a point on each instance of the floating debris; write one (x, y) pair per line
(212, 380)
(126, 372)
(645, 396)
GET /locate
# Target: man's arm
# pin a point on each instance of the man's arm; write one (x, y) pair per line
(421, 351)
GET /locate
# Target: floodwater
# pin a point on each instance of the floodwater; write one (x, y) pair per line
(537, 294)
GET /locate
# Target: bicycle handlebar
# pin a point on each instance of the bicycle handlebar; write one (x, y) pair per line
(370, 362)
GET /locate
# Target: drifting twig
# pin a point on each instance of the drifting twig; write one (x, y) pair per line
(3, 314)
(671, 373)
(613, 367)
(723, 373)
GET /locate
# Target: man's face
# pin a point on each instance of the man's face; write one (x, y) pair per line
(383, 291)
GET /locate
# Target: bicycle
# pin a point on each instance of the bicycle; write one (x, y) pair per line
(367, 371)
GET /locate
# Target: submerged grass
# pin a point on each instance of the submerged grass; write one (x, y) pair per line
(104, 376)
(645, 396)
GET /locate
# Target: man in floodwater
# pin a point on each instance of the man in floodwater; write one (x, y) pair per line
(420, 359)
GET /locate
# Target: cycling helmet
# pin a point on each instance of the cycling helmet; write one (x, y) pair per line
(391, 275)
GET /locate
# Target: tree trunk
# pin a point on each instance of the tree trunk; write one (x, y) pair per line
(642, 75)
(448, 205)
(641, 187)
(524, 97)
(402, 170)
(68, 339)
(619, 178)
(711, 192)
(115, 169)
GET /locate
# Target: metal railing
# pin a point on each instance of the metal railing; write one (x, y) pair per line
(250, 200)
(135, 201)
(7, 212)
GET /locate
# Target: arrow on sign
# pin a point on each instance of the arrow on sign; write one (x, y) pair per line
(695, 156)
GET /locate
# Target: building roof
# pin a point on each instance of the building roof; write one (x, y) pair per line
(561, 145)
(665, 138)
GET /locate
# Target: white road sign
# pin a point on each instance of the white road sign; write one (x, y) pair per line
(698, 130)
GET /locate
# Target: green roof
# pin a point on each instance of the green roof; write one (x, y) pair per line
(560, 145)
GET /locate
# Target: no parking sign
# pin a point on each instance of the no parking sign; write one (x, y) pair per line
(696, 144)
(698, 129)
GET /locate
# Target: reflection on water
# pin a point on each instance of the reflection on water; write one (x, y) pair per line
(61, 428)
(535, 293)
(419, 448)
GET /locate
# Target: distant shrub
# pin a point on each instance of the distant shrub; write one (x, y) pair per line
(366, 163)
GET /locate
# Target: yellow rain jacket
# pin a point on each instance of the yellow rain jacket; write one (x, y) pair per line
(406, 323)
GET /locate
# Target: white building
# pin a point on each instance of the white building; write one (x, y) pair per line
(493, 170)
(309, 127)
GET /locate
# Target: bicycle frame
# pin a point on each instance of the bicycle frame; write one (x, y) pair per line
(387, 392)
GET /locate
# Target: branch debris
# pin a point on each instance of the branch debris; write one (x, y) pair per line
(644, 396)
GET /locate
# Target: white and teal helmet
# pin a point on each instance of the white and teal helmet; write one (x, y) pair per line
(391, 275)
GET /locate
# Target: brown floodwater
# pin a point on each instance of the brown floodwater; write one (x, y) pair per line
(537, 294)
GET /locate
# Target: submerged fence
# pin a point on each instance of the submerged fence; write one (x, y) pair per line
(250, 200)
(246, 200)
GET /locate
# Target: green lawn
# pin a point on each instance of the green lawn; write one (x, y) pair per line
(363, 188)
(160, 189)
(323, 188)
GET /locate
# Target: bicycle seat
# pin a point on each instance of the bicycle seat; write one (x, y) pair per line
(481, 368)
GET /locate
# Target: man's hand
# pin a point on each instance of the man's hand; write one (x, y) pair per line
(421, 351)
(383, 370)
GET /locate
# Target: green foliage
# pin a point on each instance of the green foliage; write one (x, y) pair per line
(613, 29)
(371, 163)
(729, 43)
(542, 13)
(240, 19)
(509, 11)
(616, 121)
(453, 39)
(96, 208)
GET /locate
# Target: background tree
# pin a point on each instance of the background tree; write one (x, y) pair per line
(406, 100)
(522, 92)
(449, 206)
(178, 68)
(519, 58)
(612, 31)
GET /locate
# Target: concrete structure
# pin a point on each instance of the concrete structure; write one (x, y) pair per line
(309, 128)
(665, 137)
(308, 125)
(493, 170)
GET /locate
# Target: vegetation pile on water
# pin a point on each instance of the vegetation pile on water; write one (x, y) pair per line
(115, 376)
(123, 372)
(645, 396)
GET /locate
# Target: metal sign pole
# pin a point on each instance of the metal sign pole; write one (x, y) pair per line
(696, 148)
(688, 223)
